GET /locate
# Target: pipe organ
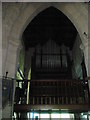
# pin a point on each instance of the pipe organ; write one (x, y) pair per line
(51, 84)
(51, 58)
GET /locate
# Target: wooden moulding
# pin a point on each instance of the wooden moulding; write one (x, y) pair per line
(70, 108)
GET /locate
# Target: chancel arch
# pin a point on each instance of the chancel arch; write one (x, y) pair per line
(29, 11)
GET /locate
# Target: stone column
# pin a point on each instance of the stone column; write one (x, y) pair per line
(12, 56)
(89, 44)
(86, 50)
(88, 73)
(10, 66)
(0, 59)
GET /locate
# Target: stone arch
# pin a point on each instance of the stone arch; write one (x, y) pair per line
(16, 24)
(76, 12)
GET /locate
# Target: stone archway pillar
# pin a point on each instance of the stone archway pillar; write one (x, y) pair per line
(88, 64)
(12, 57)
(86, 50)
(10, 66)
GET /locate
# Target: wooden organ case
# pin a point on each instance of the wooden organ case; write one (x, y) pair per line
(51, 61)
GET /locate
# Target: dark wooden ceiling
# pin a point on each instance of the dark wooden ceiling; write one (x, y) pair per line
(50, 24)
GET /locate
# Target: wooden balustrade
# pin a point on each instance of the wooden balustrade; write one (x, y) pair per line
(59, 91)
(56, 92)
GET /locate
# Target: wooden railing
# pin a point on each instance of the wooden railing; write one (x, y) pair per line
(56, 92)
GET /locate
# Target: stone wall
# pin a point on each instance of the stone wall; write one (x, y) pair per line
(0, 60)
(77, 55)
